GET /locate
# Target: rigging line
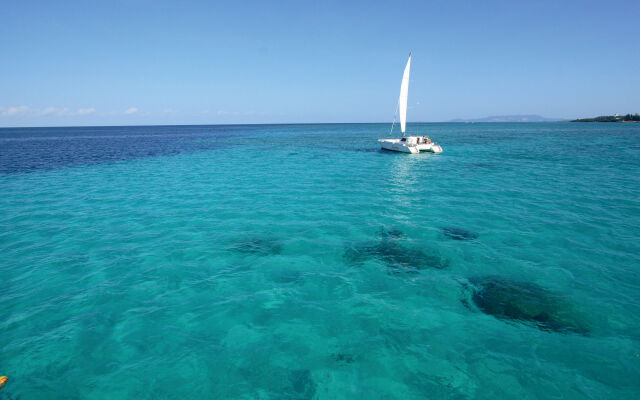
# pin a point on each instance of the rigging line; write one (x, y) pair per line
(394, 117)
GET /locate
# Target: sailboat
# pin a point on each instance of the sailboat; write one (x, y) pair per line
(407, 144)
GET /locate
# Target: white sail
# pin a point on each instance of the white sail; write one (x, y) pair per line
(404, 94)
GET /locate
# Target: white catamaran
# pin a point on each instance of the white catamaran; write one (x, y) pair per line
(407, 144)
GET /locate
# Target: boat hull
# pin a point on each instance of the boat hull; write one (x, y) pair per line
(411, 145)
(397, 145)
(430, 147)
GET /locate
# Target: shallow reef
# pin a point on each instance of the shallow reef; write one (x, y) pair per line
(344, 358)
(456, 233)
(390, 233)
(302, 383)
(260, 245)
(397, 256)
(525, 302)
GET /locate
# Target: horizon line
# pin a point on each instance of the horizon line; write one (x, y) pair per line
(282, 123)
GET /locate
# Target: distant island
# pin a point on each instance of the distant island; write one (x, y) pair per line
(611, 118)
(538, 118)
(510, 118)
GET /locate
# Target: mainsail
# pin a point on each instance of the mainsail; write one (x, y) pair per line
(404, 94)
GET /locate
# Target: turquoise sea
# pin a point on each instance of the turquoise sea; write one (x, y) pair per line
(300, 262)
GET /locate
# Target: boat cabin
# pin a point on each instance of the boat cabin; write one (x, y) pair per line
(413, 140)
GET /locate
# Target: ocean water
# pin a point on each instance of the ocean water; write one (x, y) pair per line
(300, 262)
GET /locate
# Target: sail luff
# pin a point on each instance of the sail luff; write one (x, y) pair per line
(404, 94)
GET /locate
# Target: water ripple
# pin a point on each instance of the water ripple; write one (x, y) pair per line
(218, 259)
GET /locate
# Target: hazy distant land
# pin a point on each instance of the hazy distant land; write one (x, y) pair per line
(510, 118)
(538, 118)
(611, 118)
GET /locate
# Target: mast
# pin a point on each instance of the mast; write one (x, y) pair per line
(404, 95)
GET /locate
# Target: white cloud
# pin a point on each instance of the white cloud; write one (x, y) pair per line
(47, 111)
(131, 110)
(56, 111)
(13, 110)
(85, 111)
(65, 111)
(238, 113)
(17, 110)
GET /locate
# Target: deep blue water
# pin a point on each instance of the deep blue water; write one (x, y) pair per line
(28, 149)
(299, 261)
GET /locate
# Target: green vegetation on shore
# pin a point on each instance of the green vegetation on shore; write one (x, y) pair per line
(611, 118)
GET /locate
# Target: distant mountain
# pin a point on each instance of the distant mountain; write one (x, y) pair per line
(509, 118)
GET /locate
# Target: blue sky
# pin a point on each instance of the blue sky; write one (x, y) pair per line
(203, 62)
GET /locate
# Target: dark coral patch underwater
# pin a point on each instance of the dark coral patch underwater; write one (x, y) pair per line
(390, 233)
(455, 233)
(302, 383)
(257, 245)
(398, 257)
(344, 358)
(526, 302)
